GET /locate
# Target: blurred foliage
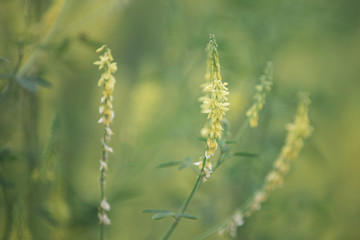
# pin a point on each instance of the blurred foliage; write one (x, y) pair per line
(50, 141)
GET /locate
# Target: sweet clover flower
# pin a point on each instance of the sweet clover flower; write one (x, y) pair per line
(215, 101)
(260, 96)
(107, 82)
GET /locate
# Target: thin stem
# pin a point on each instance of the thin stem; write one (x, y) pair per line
(186, 203)
(227, 155)
(222, 158)
(242, 130)
(243, 208)
(102, 186)
(212, 230)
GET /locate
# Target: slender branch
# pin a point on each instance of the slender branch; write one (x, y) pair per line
(102, 184)
(227, 155)
(242, 130)
(243, 208)
(186, 202)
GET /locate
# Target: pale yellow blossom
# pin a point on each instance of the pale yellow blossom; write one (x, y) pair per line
(214, 103)
(261, 91)
(107, 82)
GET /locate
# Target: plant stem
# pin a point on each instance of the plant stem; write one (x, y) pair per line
(186, 203)
(243, 208)
(242, 130)
(102, 186)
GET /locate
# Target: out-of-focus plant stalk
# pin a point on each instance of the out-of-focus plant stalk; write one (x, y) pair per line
(56, 13)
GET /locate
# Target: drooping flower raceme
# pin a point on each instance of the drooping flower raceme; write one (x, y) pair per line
(215, 101)
(107, 82)
(299, 130)
(260, 96)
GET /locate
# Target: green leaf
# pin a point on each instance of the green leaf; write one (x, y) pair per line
(169, 164)
(31, 83)
(41, 82)
(231, 141)
(186, 163)
(246, 154)
(162, 215)
(155, 211)
(27, 84)
(184, 215)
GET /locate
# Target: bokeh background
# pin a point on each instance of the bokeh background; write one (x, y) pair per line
(50, 140)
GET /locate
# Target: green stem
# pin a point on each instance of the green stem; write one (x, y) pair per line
(243, 208)
(242, 130)
(227, 155)
(222, 158)
(212, 230)
(186, 203)
(102, 186)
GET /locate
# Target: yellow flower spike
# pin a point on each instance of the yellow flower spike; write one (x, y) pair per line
(107, 82)
(297, 132)
(260, 97)
(214, 103)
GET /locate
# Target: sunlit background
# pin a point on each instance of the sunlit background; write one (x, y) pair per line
(50, 140)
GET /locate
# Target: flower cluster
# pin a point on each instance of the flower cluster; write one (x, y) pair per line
(299, 130)
(107, 81)
(237, 220)
(260, 96)
(214, 103)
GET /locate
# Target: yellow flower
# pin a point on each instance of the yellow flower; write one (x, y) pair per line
(297, 132)
(107, 82)
(207, 168)
(214, 103)
(261, 90)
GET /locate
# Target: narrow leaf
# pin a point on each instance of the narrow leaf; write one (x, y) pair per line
(31, 83)
(27, 84)
(186, 163)
(184, 215)
(156, 211)
(169, 164)
(246, 154)
(162, 215)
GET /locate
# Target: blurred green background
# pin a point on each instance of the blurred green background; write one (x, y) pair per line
(50, 140)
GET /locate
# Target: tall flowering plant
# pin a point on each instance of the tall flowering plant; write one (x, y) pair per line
(107, 82)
